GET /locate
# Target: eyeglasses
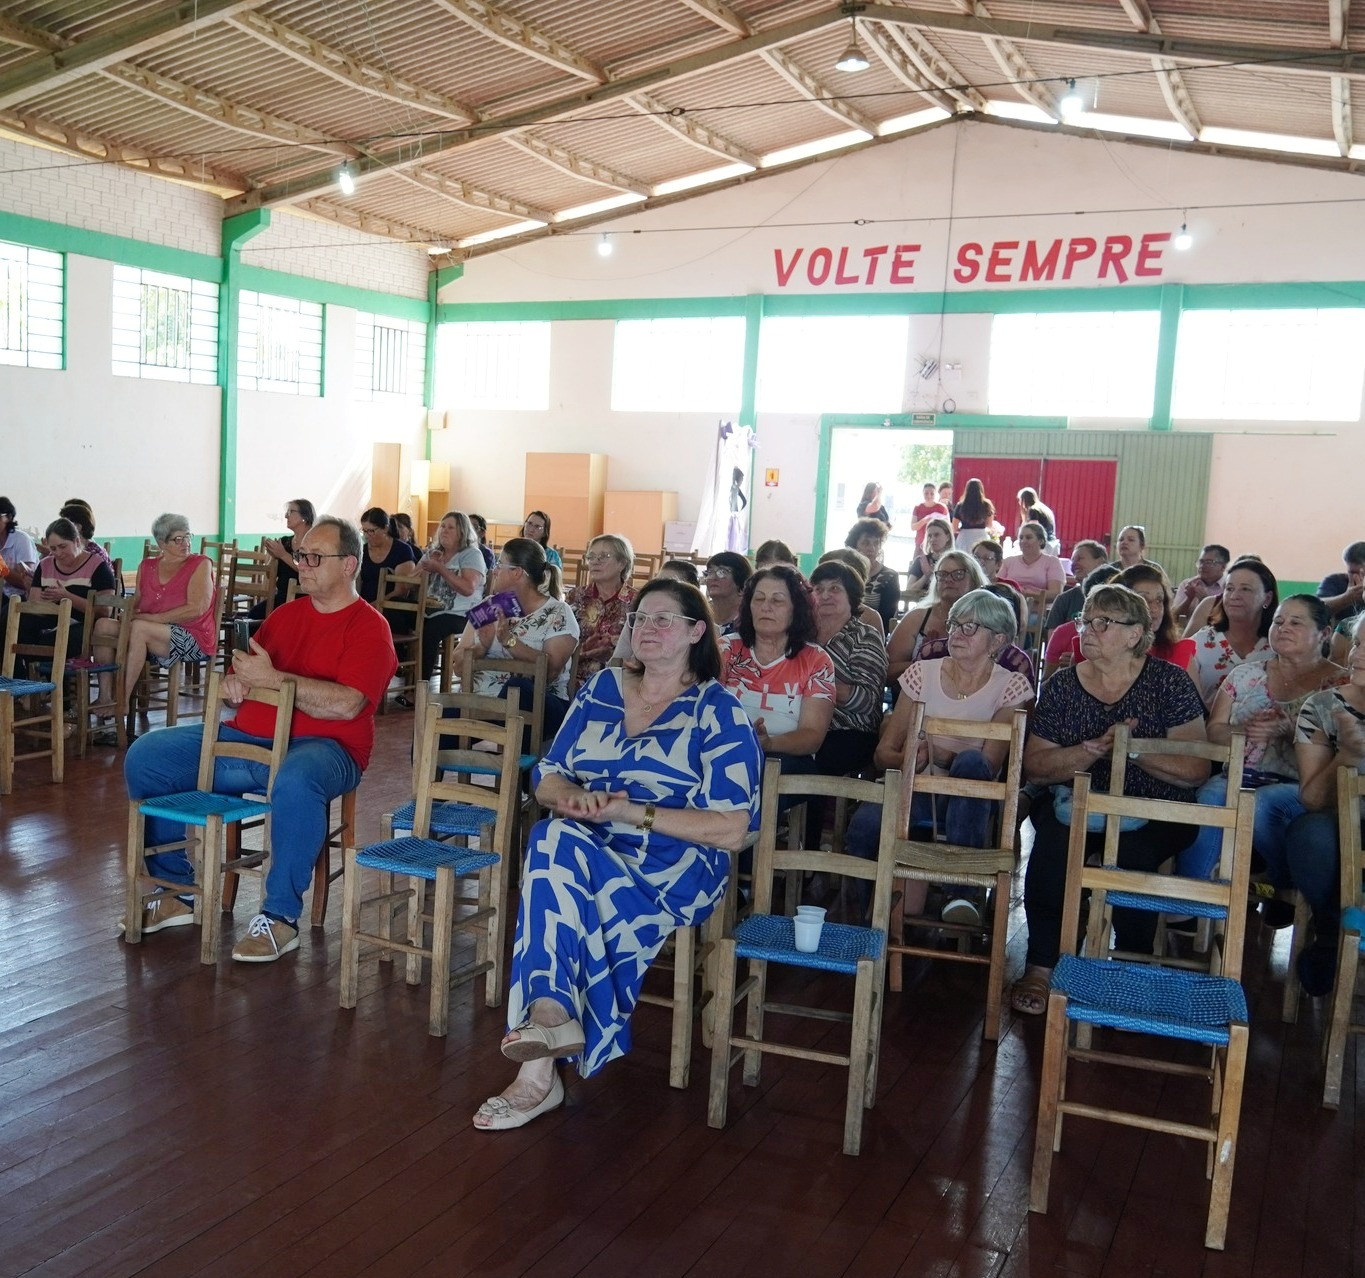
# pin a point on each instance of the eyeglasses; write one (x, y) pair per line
(1100, 624)
(313, 558)
(503, 566)
(602, 558)
(966, 628)
(717, 574)
(533, 525)
(371, 532)
(661, 621)
(950, 574)
(180, 539)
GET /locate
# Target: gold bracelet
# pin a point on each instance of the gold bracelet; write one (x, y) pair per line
(648, 823)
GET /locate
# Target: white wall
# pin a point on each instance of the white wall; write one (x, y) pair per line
(1011, 185)
(134, 447)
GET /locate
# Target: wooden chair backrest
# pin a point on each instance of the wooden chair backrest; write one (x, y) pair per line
(1350, 792)
(53, 653)
(119, 607)
(769, 857)
(253, 580)
(435, 784)
(212, 749)
(466, 706)
(216, 550)
(534, 714)
(1229, 892)
(402, 594)
(1004, 790)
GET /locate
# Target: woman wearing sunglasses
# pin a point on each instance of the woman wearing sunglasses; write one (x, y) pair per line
(654, 781)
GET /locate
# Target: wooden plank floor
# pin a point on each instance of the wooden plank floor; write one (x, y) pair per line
(161, 1118)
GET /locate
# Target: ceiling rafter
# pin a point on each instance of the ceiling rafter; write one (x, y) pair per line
(1342, 127)
(1136, 43)
(373, 224)
(688, 126)
(99, 150)
(934, 66)
(1338, 18)
(59, 67)
(351, 71)
(27, 36)
(575, 165)
(1016, 66)
(497, 24)
(894, 58)
(219, 110)
(465, 193)
(423, 148)
(1169, 80)
(721, 14)
(820, 94)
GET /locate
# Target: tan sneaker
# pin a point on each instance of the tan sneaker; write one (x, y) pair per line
(162, 911)
(266, 940)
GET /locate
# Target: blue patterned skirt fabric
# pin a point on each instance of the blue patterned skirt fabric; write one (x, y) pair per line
(597, 904)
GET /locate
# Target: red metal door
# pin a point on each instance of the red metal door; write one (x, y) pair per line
(1081, 493)
(1002, 478)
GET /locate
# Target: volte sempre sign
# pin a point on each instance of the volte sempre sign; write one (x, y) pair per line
(1074, 259)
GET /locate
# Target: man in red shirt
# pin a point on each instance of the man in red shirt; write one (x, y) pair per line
(339, 652)
(924, 512)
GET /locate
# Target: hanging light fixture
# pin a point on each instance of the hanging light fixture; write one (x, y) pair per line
(1072, 104)
(853, 58)
(346, 179)
(1182, 240)
(605, 246)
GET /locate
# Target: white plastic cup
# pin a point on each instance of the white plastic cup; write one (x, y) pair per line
(808, 931)
(811, 912)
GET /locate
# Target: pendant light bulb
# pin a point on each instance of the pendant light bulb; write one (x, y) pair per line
(853, 58)
(605, 246)
(1072, 104)
(346, 180)
(1183, 240)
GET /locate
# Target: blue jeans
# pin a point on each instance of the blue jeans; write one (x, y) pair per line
(315, 771)
(1276, 807)
(1312, 855)
(963, 821)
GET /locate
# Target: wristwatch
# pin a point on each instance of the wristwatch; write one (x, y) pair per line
(512, 642)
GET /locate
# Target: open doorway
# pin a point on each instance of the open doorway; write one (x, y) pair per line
(902, 460)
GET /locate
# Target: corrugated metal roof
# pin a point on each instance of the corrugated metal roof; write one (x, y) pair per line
(275, 95)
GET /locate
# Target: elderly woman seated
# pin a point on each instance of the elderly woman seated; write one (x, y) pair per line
(1073, 730)
(966, 683)
(654, 781)
(859, 563)
(859, 656)
(1235, 626)
(1064, 643)
(601, 606)
(726, 573)
(1150, 582)
(1330, 734)
(173, 616)
(783, 680)
(455, 577)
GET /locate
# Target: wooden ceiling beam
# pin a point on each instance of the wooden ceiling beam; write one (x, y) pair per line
(488, 20)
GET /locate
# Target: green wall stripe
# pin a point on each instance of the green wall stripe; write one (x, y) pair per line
(114, 248)
(260, 279)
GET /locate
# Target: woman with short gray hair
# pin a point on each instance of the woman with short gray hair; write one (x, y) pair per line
(967, 683)
(173, 615)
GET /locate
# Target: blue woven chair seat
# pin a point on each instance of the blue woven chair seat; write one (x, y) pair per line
(1166, 905)
(421, 858)
(448, 818)
(1150, 1000)
(194, 807)
(524, 762)
(24, 687)
(773, 937)
(1353, 920)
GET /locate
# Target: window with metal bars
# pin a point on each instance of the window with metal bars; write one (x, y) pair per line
(32, 283)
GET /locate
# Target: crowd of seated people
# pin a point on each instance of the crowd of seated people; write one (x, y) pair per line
(821, 674)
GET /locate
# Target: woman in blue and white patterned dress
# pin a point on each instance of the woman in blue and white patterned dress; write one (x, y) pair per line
(654, 780)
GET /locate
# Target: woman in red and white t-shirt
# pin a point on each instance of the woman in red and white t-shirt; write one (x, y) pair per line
(783, 680)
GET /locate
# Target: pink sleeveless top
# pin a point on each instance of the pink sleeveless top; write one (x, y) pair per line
(154, 597)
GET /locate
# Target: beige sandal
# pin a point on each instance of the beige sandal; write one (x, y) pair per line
(1029, 995)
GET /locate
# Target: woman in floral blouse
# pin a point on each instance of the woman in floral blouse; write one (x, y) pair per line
(602, 604)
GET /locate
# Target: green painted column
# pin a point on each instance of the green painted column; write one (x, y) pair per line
(437, 279)
(1172, 304)
(236, 232)
(748, 399)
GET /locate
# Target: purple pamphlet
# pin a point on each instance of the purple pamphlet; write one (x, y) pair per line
(495, 607)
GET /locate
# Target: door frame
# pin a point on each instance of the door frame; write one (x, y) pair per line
(830, 422)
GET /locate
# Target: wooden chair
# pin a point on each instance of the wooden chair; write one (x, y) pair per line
(404, 596)
(205, 810)
(1340, 1025)
(85, 674)
(252, 582)
(646, 567)
(46, 724)
(936, 861)
(1094, 989)
(217, 550)
(451, 809)
(763, 938)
